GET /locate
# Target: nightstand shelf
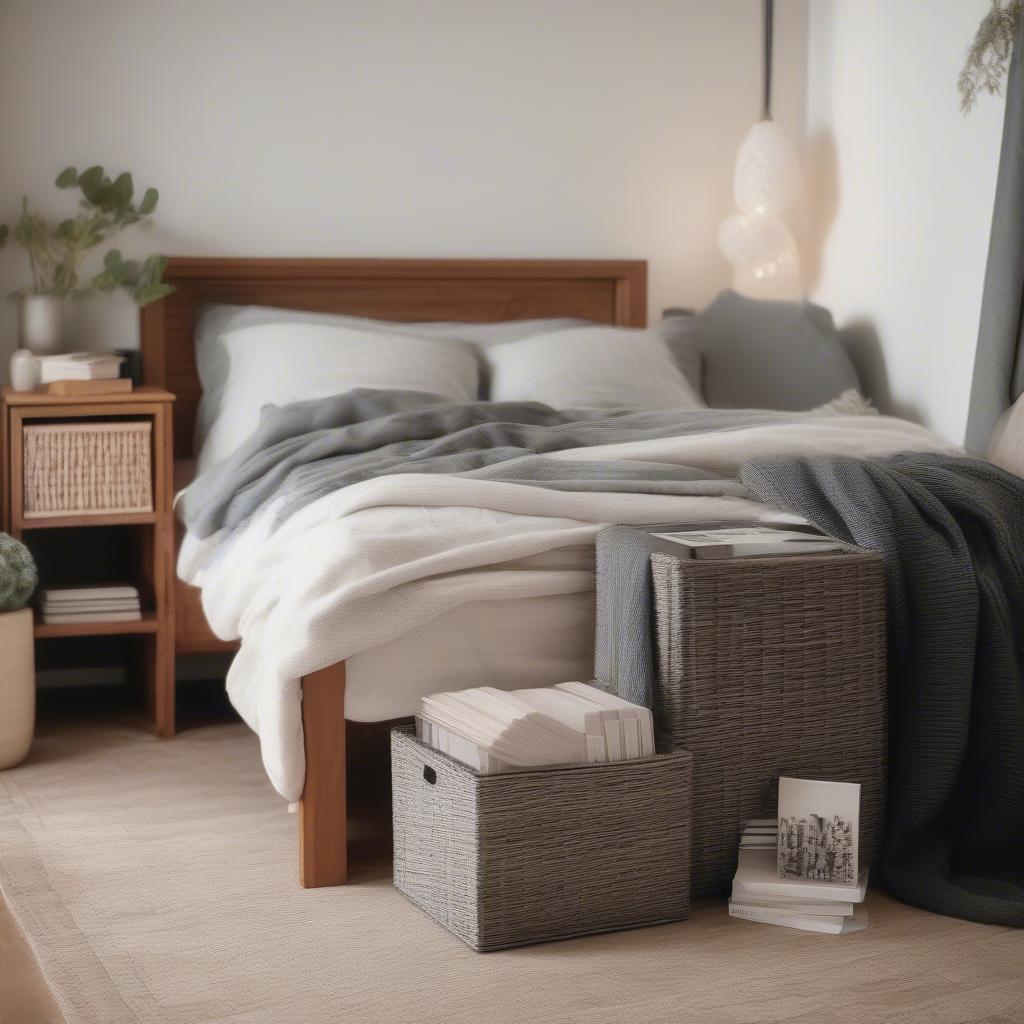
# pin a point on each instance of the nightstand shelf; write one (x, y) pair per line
(51, 631)
(135, 547)
(120, 519)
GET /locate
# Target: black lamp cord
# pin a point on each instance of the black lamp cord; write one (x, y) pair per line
(769, 17)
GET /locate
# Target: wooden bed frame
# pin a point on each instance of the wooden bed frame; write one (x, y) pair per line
(480, 291)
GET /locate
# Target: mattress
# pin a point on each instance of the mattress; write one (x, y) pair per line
(510, 644)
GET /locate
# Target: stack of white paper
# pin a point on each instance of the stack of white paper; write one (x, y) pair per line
(492, 730)
(636, 722)
(744, 542)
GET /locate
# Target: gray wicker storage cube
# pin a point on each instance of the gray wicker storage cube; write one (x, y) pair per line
(539, 854)
(765, 667)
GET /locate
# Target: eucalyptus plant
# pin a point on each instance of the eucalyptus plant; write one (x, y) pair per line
(57, 250)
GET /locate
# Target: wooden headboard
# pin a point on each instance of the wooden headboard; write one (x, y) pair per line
(480, 291)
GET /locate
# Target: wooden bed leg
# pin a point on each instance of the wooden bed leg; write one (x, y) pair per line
(323, 815)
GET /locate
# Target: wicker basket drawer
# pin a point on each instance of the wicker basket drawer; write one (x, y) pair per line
(767, 667)
(539, 854)
(73, 469)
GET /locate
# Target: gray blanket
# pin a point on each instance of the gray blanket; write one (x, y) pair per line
(952, 534)
(303, 451)
(624, 652)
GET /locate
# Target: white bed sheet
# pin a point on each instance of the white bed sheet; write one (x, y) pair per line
(509, 644)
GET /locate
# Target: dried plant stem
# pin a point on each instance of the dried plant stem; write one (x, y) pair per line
(989, 55)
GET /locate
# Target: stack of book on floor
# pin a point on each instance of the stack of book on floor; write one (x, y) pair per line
(748, 541)
(493, 731)
(66, 605)
(80, 366)
(759, 894)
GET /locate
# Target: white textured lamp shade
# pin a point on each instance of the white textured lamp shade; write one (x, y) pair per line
(764, 256)
(757, 241)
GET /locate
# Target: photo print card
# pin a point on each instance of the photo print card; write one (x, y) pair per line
(819, 824)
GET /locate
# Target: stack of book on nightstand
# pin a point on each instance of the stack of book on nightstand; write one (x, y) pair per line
(494, 731)
(80, 366)
(66, 605)
(760, 894)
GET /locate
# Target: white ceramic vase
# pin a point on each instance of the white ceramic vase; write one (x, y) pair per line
(17, 687)
(39, 324)
(24, 370)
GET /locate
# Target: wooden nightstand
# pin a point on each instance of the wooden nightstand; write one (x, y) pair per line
(147, 535)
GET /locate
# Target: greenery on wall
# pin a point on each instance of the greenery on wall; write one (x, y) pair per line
(56, 251)
(989, 55)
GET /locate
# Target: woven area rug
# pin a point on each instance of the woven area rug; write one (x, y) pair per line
(155, 881)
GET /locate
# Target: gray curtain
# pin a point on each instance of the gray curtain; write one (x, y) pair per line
(999, 361)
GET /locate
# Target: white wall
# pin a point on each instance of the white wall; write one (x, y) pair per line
(515, 128)
(903, 187)
(570, 128)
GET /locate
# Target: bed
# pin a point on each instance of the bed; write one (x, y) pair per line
(604, 292)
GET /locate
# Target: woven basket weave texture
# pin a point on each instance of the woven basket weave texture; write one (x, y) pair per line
(767, 667)
(77, 468)
(538, 854)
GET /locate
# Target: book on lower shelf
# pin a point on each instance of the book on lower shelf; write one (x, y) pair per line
(760, 895)
(492, 730)
(69, 605)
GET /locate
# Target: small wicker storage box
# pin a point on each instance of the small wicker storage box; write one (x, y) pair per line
(539, 854)
(766, 667)
(80, 468)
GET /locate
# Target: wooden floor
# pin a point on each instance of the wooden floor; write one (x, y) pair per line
(24, 997)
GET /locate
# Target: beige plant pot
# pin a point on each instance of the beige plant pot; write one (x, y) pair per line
(17, 687)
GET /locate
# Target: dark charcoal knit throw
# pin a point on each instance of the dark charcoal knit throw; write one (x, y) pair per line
(952, 534)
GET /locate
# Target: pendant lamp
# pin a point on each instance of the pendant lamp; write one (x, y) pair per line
(767, 185)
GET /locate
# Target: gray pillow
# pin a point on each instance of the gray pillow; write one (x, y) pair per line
(679, 329)
(771, 355)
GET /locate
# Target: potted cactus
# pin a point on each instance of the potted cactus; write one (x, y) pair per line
(18, 579)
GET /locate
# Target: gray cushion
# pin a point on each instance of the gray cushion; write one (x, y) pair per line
(771, 355)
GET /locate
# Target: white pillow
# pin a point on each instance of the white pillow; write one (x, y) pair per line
(279, 363)
(217, 320)
(591, 368)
